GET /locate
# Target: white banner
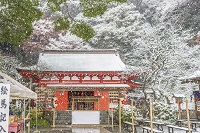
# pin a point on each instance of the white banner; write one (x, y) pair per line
(4, 107)
(85, 117)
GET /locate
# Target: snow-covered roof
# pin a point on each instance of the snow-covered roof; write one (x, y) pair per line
(17, 89)
(179, 95)
(194, 75)
(80, 60)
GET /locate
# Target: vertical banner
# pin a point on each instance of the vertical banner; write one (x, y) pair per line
(4, 107)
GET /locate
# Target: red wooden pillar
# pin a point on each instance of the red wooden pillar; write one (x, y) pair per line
(104, 104)
(103, 100)
(61, 100)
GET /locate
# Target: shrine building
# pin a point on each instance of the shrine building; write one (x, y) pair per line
(82, 83)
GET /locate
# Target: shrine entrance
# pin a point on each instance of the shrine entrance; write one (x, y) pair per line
(84, 104)
(76, 100)
(81, 100)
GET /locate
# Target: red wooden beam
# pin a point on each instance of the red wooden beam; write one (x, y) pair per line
(39, 77)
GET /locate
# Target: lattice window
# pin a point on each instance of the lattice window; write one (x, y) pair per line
(114, 96)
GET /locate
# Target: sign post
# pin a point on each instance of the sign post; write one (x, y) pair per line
(151, 115)
(188, 116)
(121, 102)
(112, 108)
(132, 110)
(4, 107)
(112, 115)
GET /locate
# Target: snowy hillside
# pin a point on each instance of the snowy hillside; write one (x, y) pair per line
(147, 39)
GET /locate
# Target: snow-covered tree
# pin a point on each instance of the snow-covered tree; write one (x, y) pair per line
(159, 48)
(8, 64)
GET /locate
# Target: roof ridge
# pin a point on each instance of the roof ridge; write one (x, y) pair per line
(75, 51)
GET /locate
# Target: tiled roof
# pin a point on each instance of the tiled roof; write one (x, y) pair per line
(80, 60)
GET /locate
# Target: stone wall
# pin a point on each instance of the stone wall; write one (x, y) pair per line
(104, 117)
(65, 117)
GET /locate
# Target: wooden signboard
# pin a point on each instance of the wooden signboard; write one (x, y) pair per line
(4, 107)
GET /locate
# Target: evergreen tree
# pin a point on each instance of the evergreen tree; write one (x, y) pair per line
(16, 18)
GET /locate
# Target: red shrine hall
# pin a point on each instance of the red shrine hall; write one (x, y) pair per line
(80, 82)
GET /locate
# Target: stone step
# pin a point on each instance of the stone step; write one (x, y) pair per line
(63, 116)
(62, 122)
(62, 125)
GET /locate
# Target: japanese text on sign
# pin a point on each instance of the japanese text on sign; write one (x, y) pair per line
(4, 107)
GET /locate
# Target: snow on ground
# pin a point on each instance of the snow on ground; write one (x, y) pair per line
(96, 129)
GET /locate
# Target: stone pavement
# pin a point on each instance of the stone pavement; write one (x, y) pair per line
(76, 129)
(95, 129)
(71, 130)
